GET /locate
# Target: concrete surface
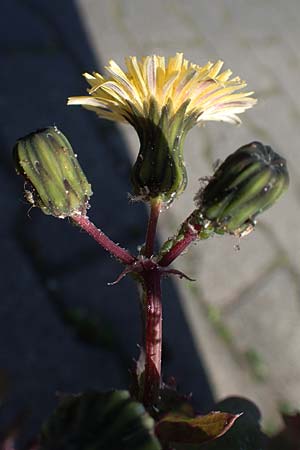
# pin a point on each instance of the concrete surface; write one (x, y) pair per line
(242, 315)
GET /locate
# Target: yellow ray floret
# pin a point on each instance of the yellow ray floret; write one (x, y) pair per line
(124, 95)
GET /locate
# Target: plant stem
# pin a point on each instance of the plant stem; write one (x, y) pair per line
(152, 224)
(153, 336)
(190, 235)
(118, 252)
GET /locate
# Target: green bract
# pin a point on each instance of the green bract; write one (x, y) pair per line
(247, 183)
(159, 171)
(55, 181)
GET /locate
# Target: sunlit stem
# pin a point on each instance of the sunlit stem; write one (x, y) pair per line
(153, 336)
(152, 225)
(190, 235)
(118, 252)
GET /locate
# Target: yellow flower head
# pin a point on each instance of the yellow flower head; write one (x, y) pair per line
(163, 100)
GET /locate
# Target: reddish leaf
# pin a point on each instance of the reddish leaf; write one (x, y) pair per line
(175, 428)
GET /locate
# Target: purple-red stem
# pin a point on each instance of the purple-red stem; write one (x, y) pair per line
(191, 234)
(153, 336)
(151, 276)
(118, 252)
(151, 230)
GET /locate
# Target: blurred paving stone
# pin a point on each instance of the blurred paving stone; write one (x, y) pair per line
(228, 371)
(40, 355)
(224, 270)
(8, 206)
(118, 303)
(283, 221)
(273, 311)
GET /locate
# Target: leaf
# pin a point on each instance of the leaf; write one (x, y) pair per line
(246, 433)
(99, 421)
(176, 428)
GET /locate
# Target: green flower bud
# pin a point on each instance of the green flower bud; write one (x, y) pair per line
(159, 171)
(247, 183)
(55, 181)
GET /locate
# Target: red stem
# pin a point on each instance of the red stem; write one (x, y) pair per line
(118, 252)
(152, 224)
(190, 235)
(153, 336)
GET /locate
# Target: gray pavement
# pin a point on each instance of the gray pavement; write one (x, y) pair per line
(241, 317)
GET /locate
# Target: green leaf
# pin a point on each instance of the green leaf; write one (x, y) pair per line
(99, 421)
(175, 428)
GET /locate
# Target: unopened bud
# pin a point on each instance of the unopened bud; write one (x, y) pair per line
(247, 183)
(55, 181)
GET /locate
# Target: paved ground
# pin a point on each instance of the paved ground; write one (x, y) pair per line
(242, 315)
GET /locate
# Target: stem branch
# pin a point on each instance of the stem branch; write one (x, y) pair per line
(190, 235)
(118, 252)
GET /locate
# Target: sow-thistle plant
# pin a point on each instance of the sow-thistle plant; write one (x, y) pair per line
(162, 99)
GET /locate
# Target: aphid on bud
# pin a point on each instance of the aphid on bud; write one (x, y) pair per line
(28, 194)
(245, 231)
